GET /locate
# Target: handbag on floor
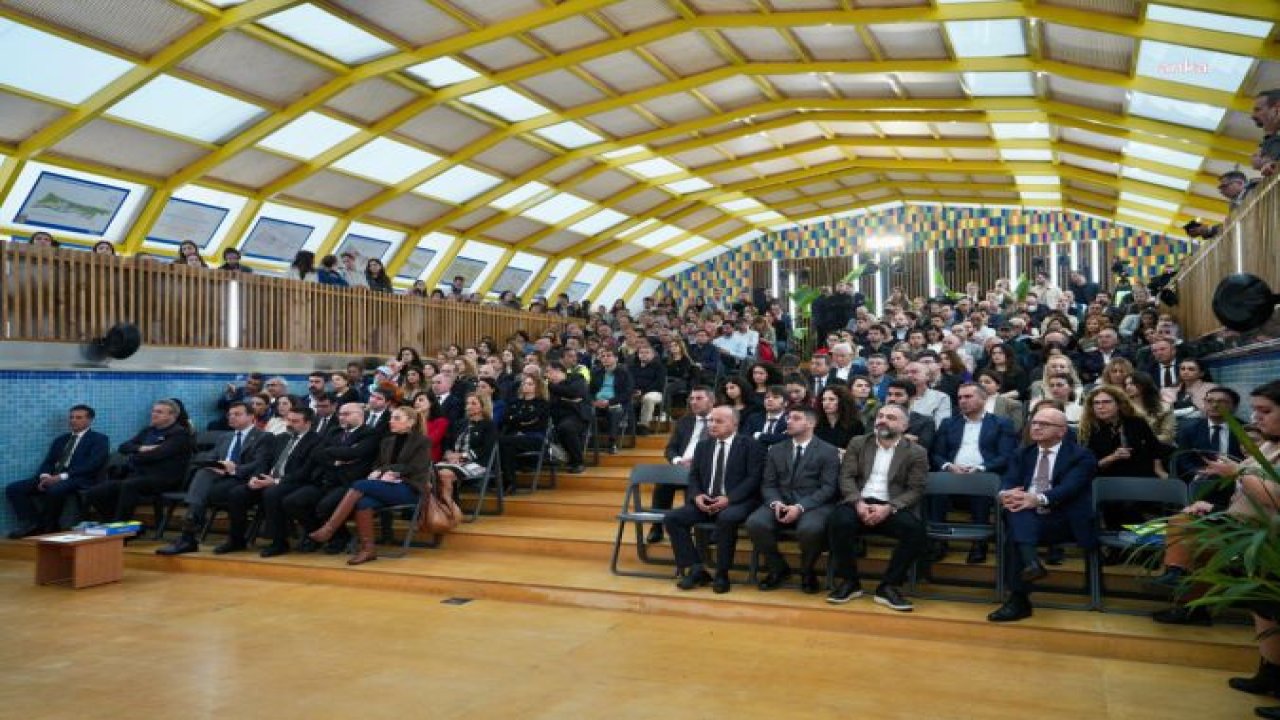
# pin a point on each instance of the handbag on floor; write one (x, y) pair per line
(440, 513)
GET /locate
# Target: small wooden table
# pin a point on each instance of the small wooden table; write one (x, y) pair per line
(79, 560)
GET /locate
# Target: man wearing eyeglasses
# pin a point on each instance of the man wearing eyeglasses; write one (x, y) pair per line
(1047, 497)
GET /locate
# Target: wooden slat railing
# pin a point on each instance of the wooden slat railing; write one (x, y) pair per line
(1251, 234)
(53, 295)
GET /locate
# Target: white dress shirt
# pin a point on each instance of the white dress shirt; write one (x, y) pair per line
(970, 452)
(877, 487)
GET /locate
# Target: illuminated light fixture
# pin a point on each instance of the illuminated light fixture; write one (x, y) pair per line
(884, 242)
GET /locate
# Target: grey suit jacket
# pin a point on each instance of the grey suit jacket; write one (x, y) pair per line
(812, 485)
(907, 471)
(256, 452)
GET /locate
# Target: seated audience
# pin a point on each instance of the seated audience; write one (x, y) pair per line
(290, 471)
(469, 444)
(156, 462)
(685, 436)
(75, 461)
(649, 380)
(524, 429)
(570, 411)
(345, 456)
(838, 420)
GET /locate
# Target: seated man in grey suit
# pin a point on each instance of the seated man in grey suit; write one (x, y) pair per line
(800, 480)
(881, 481)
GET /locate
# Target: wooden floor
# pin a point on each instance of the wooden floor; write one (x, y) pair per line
(184, 646)
(550, 632)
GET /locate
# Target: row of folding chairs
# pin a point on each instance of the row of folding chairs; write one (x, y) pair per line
(1169, 494)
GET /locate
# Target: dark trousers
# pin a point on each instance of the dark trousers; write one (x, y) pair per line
(845, 527)
(311, 505)
(979, 508)
(207, 487)
(611, 418)
(664, 496)
(47, 514)
(239, 498)
(509, 446)
(116, 500)
(279, 516)
(1026, 530)
(811, 531)
(570, 431)
(679, 524)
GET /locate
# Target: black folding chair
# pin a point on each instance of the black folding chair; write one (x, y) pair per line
(941, 487)
(1170, 494)
(635, 512)
(492, 474)
(542, 458)
(410, 511)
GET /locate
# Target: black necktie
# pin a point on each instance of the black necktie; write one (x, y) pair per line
(717, 475)
(1168, 376)
(795, 462)
(278, 469)
(1215, 438)
(346, 436)
(65, 460)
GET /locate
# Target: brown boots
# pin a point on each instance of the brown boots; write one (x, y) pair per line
(338, 518)
(364, 533)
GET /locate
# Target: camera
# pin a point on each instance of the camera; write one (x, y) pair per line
(1122, 268)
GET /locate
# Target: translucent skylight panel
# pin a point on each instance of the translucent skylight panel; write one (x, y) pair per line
(1159, 154)
(327, 33)
(458, 184)
(1156, 107)
(986, 38)
(1041, 196)
(386, 161)
(556, 208)
(688, 186)
(1020, 131)
(442, 72)
(598, 223)
(1026, 155)
(740, 205)
(1197, 19)
(506, 104)
(684, 247)
(657, 237)
(1146, 200)
(47, 65)
(1192, 66)
(766, 216)
(184, 108)
(309, 135)
(1154, 178)
(1037, 179)
(519, 195)
(623, 152)
(638, 229)
(569, 135)
(999, 84)
(1157, 219)
(674, 269)
(657, 167)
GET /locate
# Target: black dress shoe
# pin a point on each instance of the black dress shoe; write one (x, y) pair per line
(695, 578)
(575, 469)
(1266, 680)
(230, 546)
(1055, 556)
(308, 545)
(844, 591)
(184, 544)
(938, 552)
(892, 598)
(1271, 713)
(273, 550)
(1182, 615)
(655, 535)
(977, 554)
(1035, 571)
(775, 579)
(1014, 609)
(720, 585)
(809, 584)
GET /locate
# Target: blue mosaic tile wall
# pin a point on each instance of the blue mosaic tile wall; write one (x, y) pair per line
(1246, 373)
(122, 401)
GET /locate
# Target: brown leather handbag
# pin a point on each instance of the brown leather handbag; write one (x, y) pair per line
(439, 513)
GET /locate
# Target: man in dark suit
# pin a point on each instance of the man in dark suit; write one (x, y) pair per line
(157, 462)
(688, 432)
(378, 413)
(570, 412)
(238, 456)
(974, 441)
(724, 488)
(1047, 498)
(289, 472)
(770, 427)
(452, 404)
(920, 427)
(799, 484)
(1093, 362)
(611, 389)
(74, 462)
(1210, 434)
(882, 481)
(1162, 365)
(346, 456)
(326, 417)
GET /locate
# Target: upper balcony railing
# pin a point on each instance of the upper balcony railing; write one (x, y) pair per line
(53, 295)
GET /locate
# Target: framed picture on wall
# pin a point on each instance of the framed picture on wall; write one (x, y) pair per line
(418, 261)
(511, 279)
(183, 220)
(468, 268)
(278, 240)
(578, 290)
(364, 246)
(60, 202)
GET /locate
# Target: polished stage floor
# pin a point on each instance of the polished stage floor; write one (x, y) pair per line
(206, 646)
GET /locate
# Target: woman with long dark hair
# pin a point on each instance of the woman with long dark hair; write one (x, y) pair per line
(1145, 397)
(303, 266)
(838, 420)
(375, 274)
(735, 392)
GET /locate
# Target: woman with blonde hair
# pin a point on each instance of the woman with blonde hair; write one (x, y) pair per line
(1056, 365)
(469, 443)
(1116, 372)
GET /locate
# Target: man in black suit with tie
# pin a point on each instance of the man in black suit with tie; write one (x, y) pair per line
(799, 484)
(724, 488)
(345, 456)
(882, 481)
(74, 462)
(770, 428)
(819, 368)
(1163, 365)
(1209, 434)
(238, 456)
(378, 412)
(1047, 498)
(452, 404)
(326, 419)
(974, 441)
(289, 472)
(688, 432)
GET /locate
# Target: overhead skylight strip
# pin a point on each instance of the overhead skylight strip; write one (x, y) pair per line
(173, 105)
(327, 33)
(49, 66)
(442, 72)
(309, 135)
(386, 161)
(1198, 19)
(986, 38)
(506, 104)
(1192, 66)
(458, 184)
